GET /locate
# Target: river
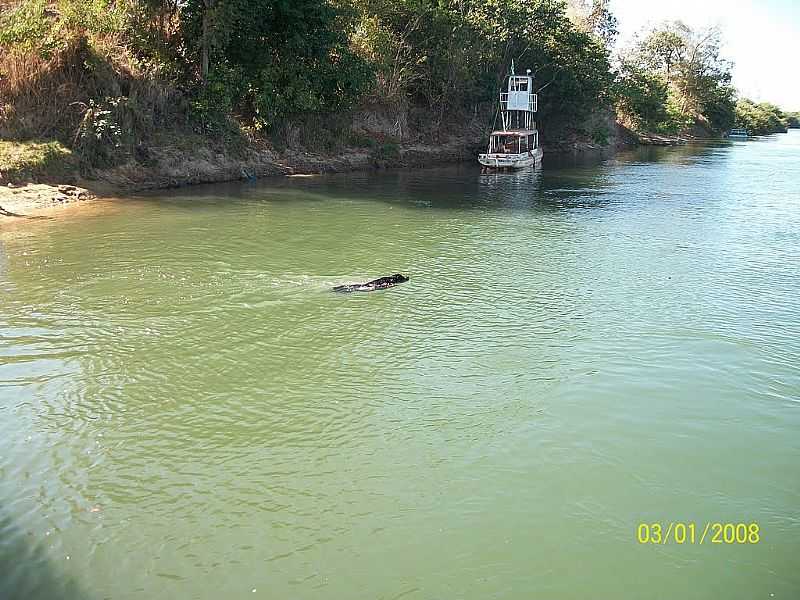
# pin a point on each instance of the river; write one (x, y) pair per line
(187, 411)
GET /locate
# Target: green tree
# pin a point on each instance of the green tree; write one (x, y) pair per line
(452, 55)
(571, 67)
(690, 64)
(761, 118)
(595, 17)
(642, 96)
(273, 58)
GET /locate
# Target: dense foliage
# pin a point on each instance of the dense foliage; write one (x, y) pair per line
(675, 76)
(103, 75)
(451, 55)
(763, 118)
(272, 58)
(265, 60)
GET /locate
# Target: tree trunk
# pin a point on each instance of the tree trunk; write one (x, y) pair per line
(206, 41)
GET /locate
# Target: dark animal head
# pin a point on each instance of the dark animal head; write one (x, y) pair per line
(397, 278)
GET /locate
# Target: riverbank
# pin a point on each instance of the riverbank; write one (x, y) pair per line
(43, 180)
(182, 163)
(32, 198)
(174, 166)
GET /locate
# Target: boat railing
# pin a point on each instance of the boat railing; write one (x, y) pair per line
(532, 102)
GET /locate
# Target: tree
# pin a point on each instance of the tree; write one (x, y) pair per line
(571, 67)
(642, 96)
(690, 64)
(760, 119)
(594, 17)
(452, 55)
(273, 58)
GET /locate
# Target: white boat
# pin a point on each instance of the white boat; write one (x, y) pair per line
(516, 145)
(738, 133)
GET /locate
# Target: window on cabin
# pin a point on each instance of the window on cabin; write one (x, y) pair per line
(506, 144)
(519, 84)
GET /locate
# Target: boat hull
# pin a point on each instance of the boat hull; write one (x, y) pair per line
(511, 161)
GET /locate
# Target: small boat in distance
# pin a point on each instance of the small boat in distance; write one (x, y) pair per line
(517, 144)
(738, 133)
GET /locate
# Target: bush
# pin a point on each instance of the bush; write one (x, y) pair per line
(360, 140)
(289, 58)
(212, 105)
(760, 119)
(99, 139)
(601, 135)
(388, 151)
(641, 96)
(26, 26)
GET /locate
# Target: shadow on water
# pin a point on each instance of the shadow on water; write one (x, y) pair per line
(563, 182)
(26, 570)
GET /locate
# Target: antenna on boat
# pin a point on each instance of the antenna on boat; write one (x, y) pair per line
(513, 71)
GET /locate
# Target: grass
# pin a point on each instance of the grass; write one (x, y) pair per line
(31, 161)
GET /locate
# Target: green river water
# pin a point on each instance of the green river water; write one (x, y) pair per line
(186, 411)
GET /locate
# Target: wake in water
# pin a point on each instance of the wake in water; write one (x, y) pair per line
(381, 283)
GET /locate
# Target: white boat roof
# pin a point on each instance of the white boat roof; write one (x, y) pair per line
(515, 132)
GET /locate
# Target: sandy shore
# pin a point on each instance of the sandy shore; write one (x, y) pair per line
(28, 200)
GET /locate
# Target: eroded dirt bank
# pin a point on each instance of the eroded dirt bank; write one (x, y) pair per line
(170, 166)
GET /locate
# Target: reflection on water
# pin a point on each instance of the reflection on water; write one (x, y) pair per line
(187, 411)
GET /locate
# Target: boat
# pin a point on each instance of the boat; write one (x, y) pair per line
(516, 145)
(738, 133)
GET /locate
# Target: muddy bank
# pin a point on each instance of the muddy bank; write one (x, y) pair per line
(168, 167)
(657, 139)
(172, 166)
(178, 165)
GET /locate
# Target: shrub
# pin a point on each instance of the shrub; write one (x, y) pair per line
(99, 138)
(600, 136)
(386, 152)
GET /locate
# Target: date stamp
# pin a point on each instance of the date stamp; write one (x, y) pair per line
(678, 532)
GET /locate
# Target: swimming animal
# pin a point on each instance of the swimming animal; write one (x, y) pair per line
(370, 286)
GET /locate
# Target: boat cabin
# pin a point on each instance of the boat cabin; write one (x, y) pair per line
(519, 103)
(520, 94)
(513, 142)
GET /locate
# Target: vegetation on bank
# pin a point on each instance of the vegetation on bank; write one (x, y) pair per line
(763, 118)
(675, 76)
(33, 161)
(104, 80)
